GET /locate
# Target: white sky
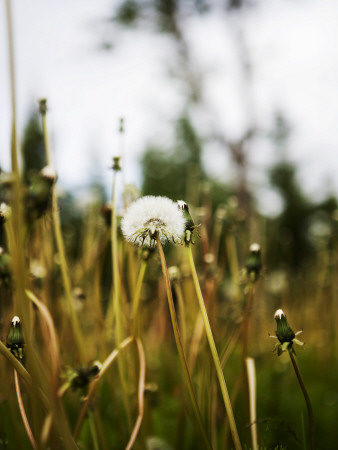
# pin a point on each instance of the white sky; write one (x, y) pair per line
(293, 50)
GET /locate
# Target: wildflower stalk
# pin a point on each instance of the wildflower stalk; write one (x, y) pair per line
(251, 373)
(141, 383)
(23, 412)
(214, 354)
(306, 397)
(137, 296)
(14, 155)
(179, 344)
(93, 431)
(60, 245)
(19, 368)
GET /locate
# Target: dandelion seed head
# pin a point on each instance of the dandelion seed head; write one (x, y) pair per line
(149, 217)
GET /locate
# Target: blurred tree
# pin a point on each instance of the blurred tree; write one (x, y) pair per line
(290, 244)
(168, 16)
(178, 173)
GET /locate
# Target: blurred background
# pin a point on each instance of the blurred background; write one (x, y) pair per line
(251, 83)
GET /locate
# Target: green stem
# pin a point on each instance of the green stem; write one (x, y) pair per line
(307, 400)
(137, 297)
(179, 344)
(214, 354)
(93, 431)
(65, 277)
(61, 251)
(14, 155)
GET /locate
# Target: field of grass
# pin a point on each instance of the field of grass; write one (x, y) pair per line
(99, 360)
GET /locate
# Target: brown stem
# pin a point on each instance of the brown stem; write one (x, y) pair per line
(307, 400)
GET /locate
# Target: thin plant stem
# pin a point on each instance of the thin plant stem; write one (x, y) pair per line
(23, 412)
(245, 326)
(141, 383)
(46, 137)
(16, 364)
(179, 345)
(62, 254)
(214, 354)
(114, 307)
(137, 296)
(307, 400)
(93, 431)
(251, 373)
(14, 155)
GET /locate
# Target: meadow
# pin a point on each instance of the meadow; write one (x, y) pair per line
(156, 335)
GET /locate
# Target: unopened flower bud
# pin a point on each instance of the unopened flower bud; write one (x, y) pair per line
(15, 341)
(190, 227)
(285, 334)
(116, 164)
(43, 106)
(254, 262)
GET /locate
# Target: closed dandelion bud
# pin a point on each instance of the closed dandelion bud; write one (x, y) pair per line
(39, 194)
(254, 262)
(285, 334)
(116, 164)
(81, 377)
(43, 106)
(15, 341)
(189, 223)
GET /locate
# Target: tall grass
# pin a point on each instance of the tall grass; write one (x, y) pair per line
(101, 371)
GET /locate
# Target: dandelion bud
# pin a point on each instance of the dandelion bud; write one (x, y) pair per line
(43, 106)
(81, 377)
(116, 164)
(285, 334)
(39, 195)
(254, 263)
(189, 223)
(15, 341)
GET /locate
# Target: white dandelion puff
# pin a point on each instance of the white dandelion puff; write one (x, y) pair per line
(151, 217)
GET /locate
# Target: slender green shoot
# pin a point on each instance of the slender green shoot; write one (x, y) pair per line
(214, 353)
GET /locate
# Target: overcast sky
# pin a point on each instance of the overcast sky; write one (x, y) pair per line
(293, 51)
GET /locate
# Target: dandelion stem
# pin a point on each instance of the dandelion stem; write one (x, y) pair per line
(23, 412)
(307, 399)
(137, 297)
(251, 373)
(61, 252)
(214, 354)
(142, 376)
(179, 344)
